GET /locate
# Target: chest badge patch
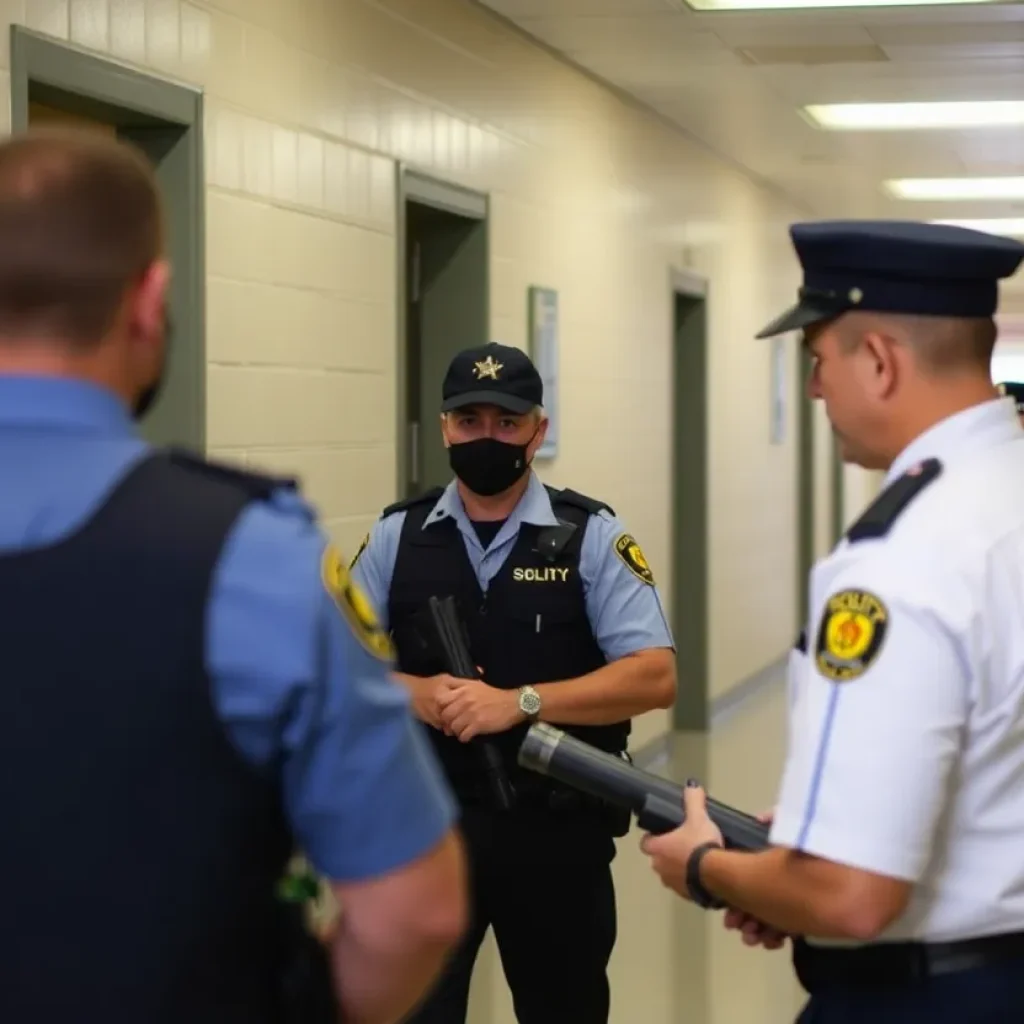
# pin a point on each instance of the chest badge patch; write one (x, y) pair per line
(633, 558)
(354, 605)
(851, 635)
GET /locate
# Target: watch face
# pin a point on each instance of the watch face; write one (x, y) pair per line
(529, 702)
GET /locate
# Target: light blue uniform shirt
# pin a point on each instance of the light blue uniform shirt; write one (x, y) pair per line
(625, 612)
(290, 680)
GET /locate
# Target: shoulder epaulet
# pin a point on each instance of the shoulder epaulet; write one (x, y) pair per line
(880, 515)
(432, 496)
(259, 486)
(570, 497)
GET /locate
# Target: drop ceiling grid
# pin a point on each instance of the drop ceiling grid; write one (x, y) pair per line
(689, 66)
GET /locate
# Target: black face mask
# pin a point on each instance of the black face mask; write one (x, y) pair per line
(147, 398)
(487, 466)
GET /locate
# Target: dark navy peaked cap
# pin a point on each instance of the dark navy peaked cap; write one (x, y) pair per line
(896, 266)
(1014, 390)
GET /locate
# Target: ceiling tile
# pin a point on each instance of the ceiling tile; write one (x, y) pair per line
(743, 34)
(928, 34)
(538, 8)
(665, 33)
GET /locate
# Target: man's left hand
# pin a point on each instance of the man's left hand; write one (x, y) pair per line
(670, 853)
(472, 708)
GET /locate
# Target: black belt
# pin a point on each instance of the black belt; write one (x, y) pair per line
(888, 964)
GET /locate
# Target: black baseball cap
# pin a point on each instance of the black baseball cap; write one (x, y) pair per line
(492, 375)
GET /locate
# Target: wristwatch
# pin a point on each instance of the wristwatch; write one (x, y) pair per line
(529, 701)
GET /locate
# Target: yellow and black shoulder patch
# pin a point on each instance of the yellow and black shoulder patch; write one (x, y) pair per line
(354, 605)
(633, 558)
(851, 635)
(359, 551)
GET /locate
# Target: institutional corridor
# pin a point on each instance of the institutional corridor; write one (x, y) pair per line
(358, 189)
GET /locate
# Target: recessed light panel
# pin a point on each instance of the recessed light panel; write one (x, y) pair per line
(947, 189)
(1012, 227)
(904, 116)
(812, 5)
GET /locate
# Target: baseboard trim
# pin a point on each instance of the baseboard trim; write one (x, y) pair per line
(654, 754)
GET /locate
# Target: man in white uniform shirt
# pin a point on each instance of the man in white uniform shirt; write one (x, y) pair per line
(898, 836)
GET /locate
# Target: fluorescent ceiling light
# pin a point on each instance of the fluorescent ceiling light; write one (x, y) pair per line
(901, 116)
(1010, 226)
(942, 189)
(768, 5)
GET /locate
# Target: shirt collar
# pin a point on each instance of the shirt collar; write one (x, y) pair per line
(534, 507)
(62, 403)
(963, 433)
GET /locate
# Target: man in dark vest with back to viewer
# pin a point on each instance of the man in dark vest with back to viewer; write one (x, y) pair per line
(190, 684)
(566, 626)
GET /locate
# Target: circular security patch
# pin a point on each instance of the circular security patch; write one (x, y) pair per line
(354, 605)
(629, 551)
(851, 635)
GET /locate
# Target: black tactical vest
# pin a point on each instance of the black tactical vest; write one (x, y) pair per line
(139, 851)
(531, 626)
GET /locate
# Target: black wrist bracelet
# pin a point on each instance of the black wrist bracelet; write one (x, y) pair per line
(694, 886)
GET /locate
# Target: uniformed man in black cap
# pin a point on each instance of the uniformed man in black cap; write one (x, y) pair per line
(1014, 390)
(566, 625)
(899, 826)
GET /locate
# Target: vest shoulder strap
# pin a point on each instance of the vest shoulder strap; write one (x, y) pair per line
(573, 511)
(883, 512)
(257, 486)
(574, 500)
(430, 497)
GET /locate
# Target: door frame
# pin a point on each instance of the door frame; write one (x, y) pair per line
(691, 620)
(138, 101)
(805, 504)
(838, 486)
(415, 186)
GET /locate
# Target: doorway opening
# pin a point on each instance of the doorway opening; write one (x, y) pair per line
(838, 494)
(52, 84)
(821, 493)
(444, 281)
(690, 499)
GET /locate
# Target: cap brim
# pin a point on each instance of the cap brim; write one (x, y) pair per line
(510, 403)
(803, 314)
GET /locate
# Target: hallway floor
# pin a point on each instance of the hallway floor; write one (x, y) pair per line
(673, 963)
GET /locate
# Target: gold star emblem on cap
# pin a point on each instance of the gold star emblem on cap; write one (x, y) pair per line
(488, 367)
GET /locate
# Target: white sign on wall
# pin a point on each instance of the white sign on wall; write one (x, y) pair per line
(543, 349)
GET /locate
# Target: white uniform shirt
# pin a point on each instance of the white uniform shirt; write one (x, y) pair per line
(913, 766)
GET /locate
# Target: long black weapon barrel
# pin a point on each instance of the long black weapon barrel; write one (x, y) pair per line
(657, 802)
(451, 636)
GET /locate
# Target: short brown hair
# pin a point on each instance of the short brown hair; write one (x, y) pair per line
(80, 222)
(941, 344)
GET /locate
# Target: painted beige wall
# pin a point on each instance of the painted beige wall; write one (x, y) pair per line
(310, 103)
